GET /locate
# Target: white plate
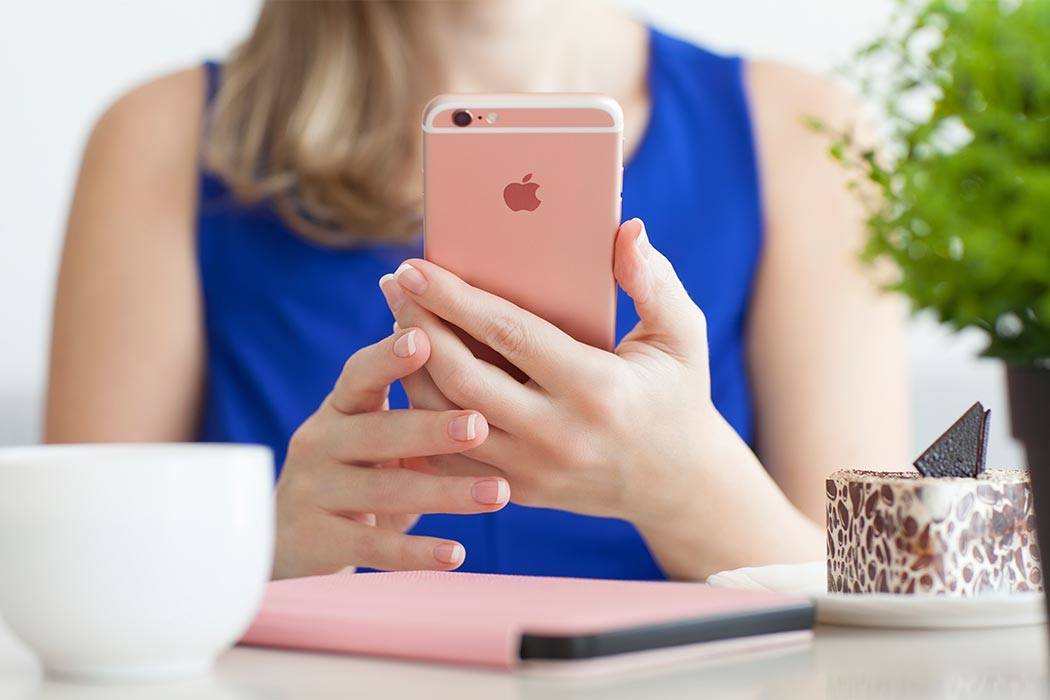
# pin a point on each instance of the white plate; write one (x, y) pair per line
(887, 609)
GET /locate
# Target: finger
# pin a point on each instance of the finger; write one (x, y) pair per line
(366, 377)
(342, 542)
(460, 465)
(501, 455)
(422, 392)
(479, 461)
(537, 347)
(385, 435)
(666, 313)
(393, 551)
(348, 489)
(462, 378)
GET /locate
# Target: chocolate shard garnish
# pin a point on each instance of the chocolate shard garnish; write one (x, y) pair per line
(982, 460)
(962, 450)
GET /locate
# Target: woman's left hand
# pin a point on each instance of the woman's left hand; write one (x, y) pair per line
(631, 434)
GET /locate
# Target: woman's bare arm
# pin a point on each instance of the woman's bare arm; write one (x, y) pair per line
(127, 346)
(826, 348)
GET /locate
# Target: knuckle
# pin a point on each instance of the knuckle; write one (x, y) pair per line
(295, 487)
(417, 492)
(348, 365)
(354, 364)
(592, 374)
(607, 403)
(667, 278)
(462, 385)
(306, 438)
(701, 320)
(583, 454)
(505, 335)
(368, 549)
(408, 556)
(372, 486)
(454, 493)
(664, 268)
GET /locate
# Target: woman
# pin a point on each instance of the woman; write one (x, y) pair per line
(230, 225)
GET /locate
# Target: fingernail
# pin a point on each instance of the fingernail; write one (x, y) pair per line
(391, 292)
(642, 242)
(405, 346)
(397, 327)
(450, 553)
(491, 492)
(464, 427)
(410, 278)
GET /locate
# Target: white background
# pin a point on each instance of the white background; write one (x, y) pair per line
(62, 63)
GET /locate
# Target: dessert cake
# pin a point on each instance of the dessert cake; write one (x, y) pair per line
(950, 527)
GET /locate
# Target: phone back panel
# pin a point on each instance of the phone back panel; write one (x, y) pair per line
(527, 206)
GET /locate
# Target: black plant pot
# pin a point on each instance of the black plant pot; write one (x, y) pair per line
(1029, 390)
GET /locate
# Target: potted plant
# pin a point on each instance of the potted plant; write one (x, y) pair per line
(959, 197)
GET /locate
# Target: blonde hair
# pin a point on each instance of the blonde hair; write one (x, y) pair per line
(318, 113)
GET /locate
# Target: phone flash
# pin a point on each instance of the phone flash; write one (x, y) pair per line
(490, 117)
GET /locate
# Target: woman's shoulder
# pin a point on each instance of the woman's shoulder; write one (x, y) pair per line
(783, 102)
(785, 95)
(763, 90)
(128, 284)
(157, 122)
(771, 83)
(138, 175)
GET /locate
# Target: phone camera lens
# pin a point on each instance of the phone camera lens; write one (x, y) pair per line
(461, 117)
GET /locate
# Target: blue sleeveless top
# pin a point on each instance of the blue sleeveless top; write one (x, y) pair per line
(282, 314)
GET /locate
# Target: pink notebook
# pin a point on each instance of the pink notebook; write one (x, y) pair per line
(494, 620)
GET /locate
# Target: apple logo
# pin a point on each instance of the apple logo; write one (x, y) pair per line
(521, 196)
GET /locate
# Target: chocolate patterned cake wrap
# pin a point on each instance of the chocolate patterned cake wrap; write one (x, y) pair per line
(901, 532)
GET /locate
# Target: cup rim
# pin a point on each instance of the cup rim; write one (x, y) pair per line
(43, 455)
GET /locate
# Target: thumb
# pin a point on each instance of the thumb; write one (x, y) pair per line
(667, 316)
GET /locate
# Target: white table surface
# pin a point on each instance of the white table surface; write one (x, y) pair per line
(840, 663)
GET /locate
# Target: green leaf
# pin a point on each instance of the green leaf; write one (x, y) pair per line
(964, 185)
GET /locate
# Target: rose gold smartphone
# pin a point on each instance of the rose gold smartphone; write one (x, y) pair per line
(522, 198)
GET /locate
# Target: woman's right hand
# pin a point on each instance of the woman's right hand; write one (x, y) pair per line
(356, 475)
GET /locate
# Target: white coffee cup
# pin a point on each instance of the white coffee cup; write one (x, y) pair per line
(133, 562)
